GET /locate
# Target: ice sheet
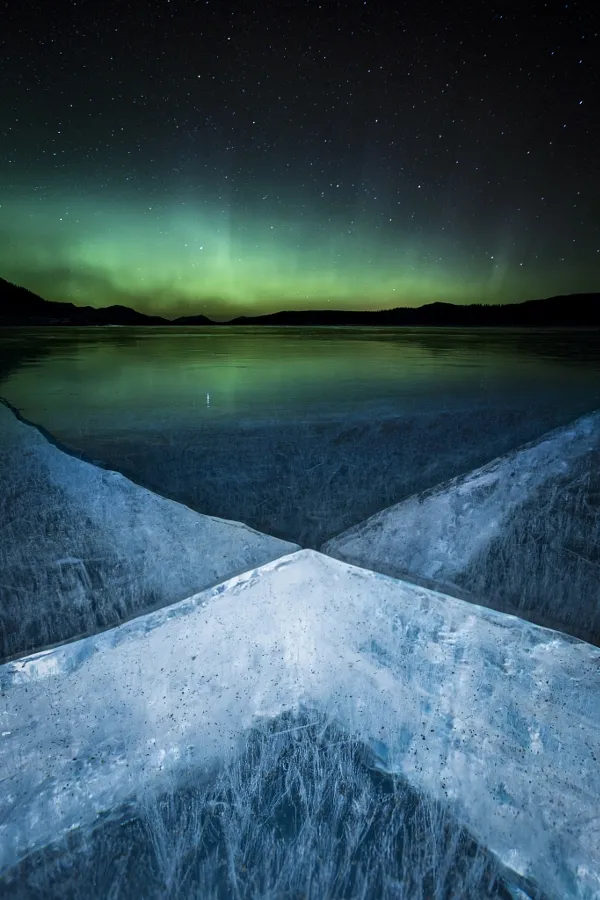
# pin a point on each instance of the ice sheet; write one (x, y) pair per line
(83, 548)
(500, 533)
(497, 716)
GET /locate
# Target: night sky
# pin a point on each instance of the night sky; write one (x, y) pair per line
(229, 158)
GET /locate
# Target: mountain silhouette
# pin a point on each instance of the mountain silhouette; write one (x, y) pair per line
(563, 311)
(194, 320)
(18, 306)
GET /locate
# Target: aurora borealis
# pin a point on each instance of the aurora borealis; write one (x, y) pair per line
(206, 157)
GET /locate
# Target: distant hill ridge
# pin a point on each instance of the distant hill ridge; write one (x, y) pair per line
(19, 306)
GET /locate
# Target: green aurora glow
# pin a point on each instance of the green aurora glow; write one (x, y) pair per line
(181, 259)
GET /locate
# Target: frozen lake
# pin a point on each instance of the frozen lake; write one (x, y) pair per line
(300, 433)
(399, 749)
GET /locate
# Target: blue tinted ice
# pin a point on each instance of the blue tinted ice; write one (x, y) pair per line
(84, 548)
(522, 533)
(497, 716)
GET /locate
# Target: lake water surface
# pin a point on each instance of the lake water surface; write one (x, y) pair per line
(299, 432)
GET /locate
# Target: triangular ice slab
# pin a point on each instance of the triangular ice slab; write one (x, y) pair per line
(84, 548)
(496, 715)
(506, 534)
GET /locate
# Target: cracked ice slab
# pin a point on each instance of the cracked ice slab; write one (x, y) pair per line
(499, 717)
(84, 548)
(443, 537)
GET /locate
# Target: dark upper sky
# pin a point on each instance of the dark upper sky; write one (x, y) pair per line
(223, 158)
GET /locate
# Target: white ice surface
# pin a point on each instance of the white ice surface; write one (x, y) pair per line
(77, 538)
(496, 715)
(435, 534)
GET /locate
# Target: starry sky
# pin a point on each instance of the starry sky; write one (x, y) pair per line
(231, 158)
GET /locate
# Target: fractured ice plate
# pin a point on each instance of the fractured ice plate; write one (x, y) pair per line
(499, 717)
(84, 548)
(519, 534)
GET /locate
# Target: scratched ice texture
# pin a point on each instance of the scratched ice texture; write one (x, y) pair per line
(494, 716)
(521, 534)
(83, 548)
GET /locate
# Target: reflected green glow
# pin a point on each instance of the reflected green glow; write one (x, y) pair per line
(111, 379)
(184, 259)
